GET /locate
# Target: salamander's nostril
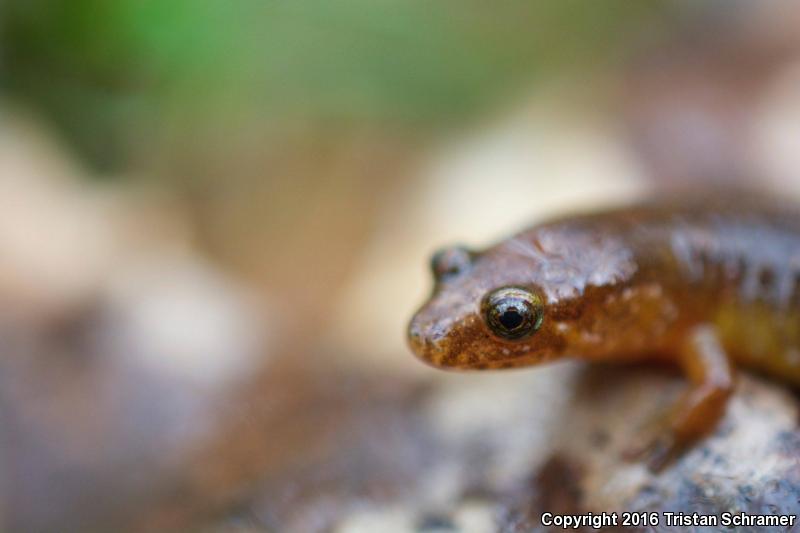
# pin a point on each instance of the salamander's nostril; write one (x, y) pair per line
(414, 334)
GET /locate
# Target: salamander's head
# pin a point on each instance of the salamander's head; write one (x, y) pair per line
(516, 304)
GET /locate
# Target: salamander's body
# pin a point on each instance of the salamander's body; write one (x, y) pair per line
(703, 285)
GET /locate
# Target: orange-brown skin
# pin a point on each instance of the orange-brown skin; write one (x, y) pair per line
(703, 284)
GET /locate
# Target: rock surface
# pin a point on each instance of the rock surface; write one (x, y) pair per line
(493, 452)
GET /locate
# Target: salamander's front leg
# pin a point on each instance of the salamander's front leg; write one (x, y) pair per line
(711, 378)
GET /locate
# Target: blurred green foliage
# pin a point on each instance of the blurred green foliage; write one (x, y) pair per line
(115, 75)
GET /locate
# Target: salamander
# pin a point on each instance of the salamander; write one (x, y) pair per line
(702, 284)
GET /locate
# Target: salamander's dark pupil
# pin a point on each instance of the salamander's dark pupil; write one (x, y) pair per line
(511, 318)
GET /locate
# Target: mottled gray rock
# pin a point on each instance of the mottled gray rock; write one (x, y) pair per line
(492, 452)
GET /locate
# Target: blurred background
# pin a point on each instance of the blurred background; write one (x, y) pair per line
(216, 217)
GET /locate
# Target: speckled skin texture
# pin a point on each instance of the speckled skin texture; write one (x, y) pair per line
(702, 284)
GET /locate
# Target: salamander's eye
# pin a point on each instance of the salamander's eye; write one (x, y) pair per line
(449, 262)
(512, 312)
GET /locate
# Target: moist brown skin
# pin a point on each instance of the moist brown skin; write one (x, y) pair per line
(703, 285)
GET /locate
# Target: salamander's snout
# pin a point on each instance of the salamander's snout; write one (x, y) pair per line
(427, 340)
(441, 330)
